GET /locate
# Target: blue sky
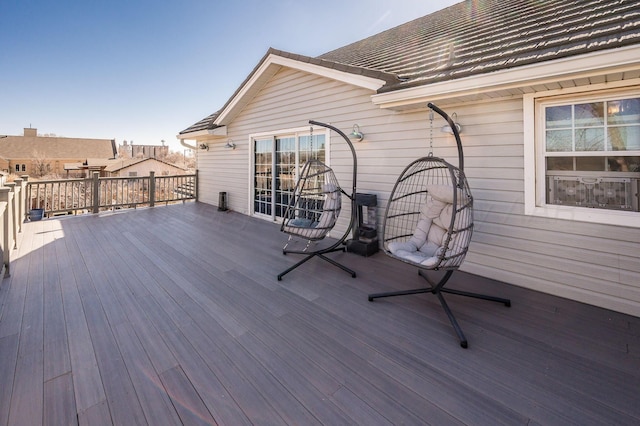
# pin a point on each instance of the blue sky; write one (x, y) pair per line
(143, 70)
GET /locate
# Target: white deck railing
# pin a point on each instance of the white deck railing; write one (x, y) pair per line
(11, 213)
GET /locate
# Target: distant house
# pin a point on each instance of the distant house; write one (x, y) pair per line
(141, 167)
(39, 155)
(548, 97)
(86, 168)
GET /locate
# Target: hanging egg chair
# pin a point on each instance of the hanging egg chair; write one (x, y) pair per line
(315, 207)
(428, 223)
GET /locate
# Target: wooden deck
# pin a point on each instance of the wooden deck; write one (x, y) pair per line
(173, 315)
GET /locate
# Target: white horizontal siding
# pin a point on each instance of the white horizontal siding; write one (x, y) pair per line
(592, 263)
(222, 169)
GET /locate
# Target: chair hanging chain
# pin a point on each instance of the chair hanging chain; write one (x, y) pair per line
(311, 141)
(430, 133)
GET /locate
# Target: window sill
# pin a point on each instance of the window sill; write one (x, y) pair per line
(585, 214)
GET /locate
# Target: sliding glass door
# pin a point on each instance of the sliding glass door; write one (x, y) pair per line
(277, 163)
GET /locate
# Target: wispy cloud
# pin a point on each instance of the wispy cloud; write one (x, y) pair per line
(378, 23)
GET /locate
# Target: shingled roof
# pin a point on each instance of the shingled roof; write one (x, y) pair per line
(477, 37)
(204, 124)
(52, 148)
(119, 164)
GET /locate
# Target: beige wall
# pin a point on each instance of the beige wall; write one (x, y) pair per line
(145, 167)
(57, 165)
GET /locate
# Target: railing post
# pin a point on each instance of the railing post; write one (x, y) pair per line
(196, 187)
(152, 188)
(5, 196)
(27, 196)
(20, 202)
(13, 209)
(96, 192)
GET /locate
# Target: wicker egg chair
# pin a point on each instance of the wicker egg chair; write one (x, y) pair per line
(428, 224)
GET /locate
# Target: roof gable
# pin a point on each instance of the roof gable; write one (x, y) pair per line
(274, 61)
(122, 163)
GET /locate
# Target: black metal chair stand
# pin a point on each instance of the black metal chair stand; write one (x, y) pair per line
(321, 254)
(318, 232)
(438, 289)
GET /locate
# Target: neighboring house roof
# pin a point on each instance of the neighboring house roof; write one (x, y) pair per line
(89, 163)
(52, 148)
(120, 163)
(468, 39)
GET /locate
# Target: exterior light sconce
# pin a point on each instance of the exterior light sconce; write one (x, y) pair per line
(230, 144)
(447, 129)
(356, 134)
(204, 146)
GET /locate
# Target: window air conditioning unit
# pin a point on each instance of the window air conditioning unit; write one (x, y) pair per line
(601, 192)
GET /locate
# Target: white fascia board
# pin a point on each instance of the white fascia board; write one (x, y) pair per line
(342, 76)
(273, 63)
(192, 135)
(619, 60)
(204, 134)
(218, 131)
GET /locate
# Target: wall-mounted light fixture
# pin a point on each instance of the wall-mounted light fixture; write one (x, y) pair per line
(204, 146)
(447, 129)
(230, 144)
(356, 134)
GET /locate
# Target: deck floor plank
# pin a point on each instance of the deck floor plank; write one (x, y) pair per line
(8, 358)
(59, 403)
(173, 315)
(186, 400)
(56, 344)
(153, 397)
(29, 373)
(87, 382)
(103, 313)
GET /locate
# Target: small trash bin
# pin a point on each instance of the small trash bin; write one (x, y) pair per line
(222, 201)
(36, 214)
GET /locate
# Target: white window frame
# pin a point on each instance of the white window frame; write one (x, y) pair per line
(294, 132)
(534, 164)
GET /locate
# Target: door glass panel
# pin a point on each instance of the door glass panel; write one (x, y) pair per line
(285, 173)
(263, 176)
